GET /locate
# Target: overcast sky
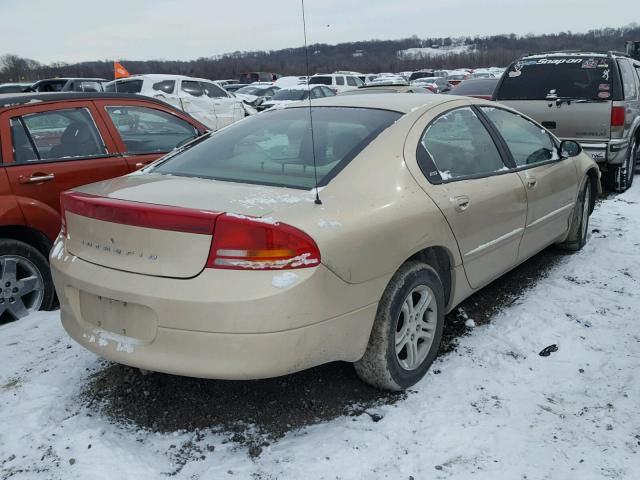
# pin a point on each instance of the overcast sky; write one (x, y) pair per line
(69, 31)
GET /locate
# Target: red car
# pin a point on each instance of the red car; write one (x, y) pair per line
(56, 141)
(456, 78)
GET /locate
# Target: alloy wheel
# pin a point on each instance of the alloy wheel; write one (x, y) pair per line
(21, 286)
(415, 327)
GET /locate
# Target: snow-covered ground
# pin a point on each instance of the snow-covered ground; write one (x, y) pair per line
(492, 409)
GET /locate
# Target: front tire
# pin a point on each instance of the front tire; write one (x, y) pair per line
(407, 330)
(25, 281)
(619, 178)
(579, 229)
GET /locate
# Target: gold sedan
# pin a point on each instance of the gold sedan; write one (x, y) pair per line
(270, 247)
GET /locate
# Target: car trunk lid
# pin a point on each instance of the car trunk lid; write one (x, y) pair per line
(159, 225)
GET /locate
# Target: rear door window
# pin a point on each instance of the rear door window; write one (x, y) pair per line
(459, 146)
(147, 130)
(339, 80)
(192, 88)
(564, 77)
(277, 148)
(55, 135)
(628, 80)
(166, 86)
(529, 144)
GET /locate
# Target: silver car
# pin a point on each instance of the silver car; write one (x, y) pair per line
(588, 97)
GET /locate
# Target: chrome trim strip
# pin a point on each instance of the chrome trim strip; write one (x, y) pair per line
(494, 243)
(550, 215)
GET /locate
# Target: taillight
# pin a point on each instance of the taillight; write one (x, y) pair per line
(249, 243)
(617, 116)
(146, 215)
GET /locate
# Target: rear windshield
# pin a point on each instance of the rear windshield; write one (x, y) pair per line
(565, 77)
(275, 147)
(291, 94)
(475, 87)
(124, 86)
(321, 80)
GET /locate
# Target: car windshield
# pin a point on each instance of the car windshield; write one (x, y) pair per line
(291, 94)
(566, 77)
(475, 87)
(275, 147)
(320, 80)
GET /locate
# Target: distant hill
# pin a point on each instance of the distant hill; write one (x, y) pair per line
(366, 56)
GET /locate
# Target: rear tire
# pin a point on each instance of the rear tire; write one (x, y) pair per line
(407, 329)
(619, 178)
(25, 281)
(579, 229)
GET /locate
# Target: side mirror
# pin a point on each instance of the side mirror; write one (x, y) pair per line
(569, 148)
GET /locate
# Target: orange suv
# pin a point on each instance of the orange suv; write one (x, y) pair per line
(52, 142)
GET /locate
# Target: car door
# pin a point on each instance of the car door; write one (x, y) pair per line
(53, 148)
(551, 182)
(462, 168)
(145, 131)
(196, 103)
(226, 107)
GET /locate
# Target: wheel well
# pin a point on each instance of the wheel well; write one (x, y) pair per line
(438, 258)
(593, 178)
(27, 235)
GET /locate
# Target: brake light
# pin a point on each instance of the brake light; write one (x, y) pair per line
(147, 215)
(617, 116)
(250, 243)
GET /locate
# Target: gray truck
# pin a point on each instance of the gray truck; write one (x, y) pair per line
(589, 97)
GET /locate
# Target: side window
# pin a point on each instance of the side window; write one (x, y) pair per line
(328, 92)
(358, 81)
(351, 82)
(147, 130)
(339, 80)
(213, 91)
(529, 144)
(192, 88)
(58, 134)
(23, 150)
(628, 82)
(459, 146)
(316, 93)
(165, 86)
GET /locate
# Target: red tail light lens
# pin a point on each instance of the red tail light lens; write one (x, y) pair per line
(248, 243)
(159, 217)
(617, 116)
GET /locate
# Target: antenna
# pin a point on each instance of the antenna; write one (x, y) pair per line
(317, 201)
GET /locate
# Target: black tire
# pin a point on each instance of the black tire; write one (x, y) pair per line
(579, 231)
(619, 178)
(380, 366)
(21, 250)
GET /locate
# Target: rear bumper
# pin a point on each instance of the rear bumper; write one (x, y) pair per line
(612, 152)
(221, 324)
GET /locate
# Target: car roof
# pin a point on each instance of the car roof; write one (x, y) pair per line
(385, 101)
(9, 100)
(66, 79)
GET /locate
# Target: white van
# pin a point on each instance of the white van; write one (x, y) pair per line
(337, 82)
(203, 99)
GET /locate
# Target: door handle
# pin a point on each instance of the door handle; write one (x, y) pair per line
(36, 178)
(532, 182)
(461, 203)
